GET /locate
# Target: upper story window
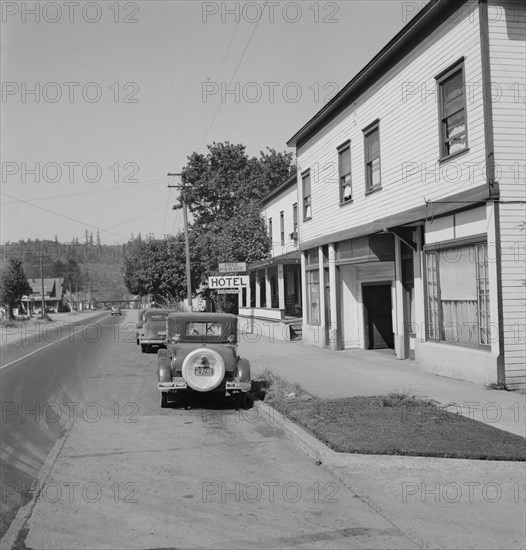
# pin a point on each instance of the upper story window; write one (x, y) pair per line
(452, 111)
(294, 235)
(307, 205)
(270, 229)
(282, 228)
(373, 178)
(344, 167)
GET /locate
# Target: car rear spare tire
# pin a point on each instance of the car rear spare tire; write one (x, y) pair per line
(203, 369)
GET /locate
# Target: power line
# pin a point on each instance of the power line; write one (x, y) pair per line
(94, 191)
(63, 216)
(233, 76)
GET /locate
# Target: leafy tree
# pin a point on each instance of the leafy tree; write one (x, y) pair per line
(158, 267)
(14, 285)
(226, 180)
(223, 190)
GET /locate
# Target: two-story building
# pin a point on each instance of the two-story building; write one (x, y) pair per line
(411, 198)
(274, 304)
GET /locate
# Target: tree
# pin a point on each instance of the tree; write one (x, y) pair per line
(157, 267)
(14, 285)
(226, 180)
(224, 189)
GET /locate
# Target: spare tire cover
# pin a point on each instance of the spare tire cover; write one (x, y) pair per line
(203, 369)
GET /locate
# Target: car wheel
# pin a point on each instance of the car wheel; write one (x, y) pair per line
(144, 348)
(164, 399)
(203, 357)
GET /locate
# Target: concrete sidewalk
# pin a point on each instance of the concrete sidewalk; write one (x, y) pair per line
(348, 373)
(442, 503)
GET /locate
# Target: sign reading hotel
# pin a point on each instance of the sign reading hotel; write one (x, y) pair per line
(232, 267)
(239, 281)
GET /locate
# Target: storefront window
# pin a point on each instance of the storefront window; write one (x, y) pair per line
(457, 295)
(313, 297)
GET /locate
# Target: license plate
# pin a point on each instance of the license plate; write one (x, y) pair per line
(204, 371)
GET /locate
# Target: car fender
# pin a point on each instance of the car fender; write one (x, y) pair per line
(243, 370)
(164, 371)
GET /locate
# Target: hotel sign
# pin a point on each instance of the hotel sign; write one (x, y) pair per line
(231, 281)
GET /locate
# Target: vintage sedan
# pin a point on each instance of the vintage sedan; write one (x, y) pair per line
(140, 322)
(201, 356)
(153, 332)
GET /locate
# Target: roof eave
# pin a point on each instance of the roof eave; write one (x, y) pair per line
(406, 37)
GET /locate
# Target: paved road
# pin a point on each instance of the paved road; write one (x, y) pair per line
(123, 473)
(32, 383)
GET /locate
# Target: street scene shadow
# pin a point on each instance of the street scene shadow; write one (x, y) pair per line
(208, 401)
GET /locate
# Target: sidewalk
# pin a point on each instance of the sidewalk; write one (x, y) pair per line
(335, 374)
(438, 502)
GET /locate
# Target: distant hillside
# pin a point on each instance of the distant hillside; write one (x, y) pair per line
(85, 267)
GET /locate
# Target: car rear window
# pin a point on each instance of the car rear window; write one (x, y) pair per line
(157, 317)
(203, 329)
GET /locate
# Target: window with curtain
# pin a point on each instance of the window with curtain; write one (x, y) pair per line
(452, 105)
(457, 295)
(344, 164)
(373, 179)
(313, 297)
(307, 206)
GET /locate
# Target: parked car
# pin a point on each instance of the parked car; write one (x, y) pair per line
(140, 322)
(201, 356)
(116, 310)
(153, 331)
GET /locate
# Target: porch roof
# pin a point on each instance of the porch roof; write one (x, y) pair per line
(293, 257)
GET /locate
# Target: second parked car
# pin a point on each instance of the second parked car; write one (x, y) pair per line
(153, 332)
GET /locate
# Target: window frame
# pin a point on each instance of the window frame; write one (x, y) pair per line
(295, 222)
(483, 315)
(441, 79)
(282, 227)
(344, 147)
(368, 159)
(310, 285)
(306, 199)
(270, 231)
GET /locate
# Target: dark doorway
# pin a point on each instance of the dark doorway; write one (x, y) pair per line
(377, 317)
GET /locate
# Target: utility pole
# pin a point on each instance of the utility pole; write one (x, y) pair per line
(187, 242)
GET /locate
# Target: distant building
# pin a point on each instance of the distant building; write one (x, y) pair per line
(53, 294)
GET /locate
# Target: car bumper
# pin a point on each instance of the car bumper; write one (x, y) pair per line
(153, 341)
(180, 384)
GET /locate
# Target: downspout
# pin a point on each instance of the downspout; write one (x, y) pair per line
(493, 186)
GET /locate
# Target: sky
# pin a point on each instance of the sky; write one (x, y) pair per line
(101, 100)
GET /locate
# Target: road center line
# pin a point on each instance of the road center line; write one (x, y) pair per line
(42, 348)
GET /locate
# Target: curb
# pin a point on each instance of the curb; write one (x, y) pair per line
(323, 454)
(307, 442)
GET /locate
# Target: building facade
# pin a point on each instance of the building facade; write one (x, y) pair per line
(273, 306)
(411, 198)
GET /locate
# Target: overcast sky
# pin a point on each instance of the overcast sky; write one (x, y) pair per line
(101, 99)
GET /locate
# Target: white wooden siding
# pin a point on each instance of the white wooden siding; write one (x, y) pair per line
(282, 203)
(507, 32)
(409, 138)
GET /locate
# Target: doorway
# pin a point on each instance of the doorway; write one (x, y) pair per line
(378, 320)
